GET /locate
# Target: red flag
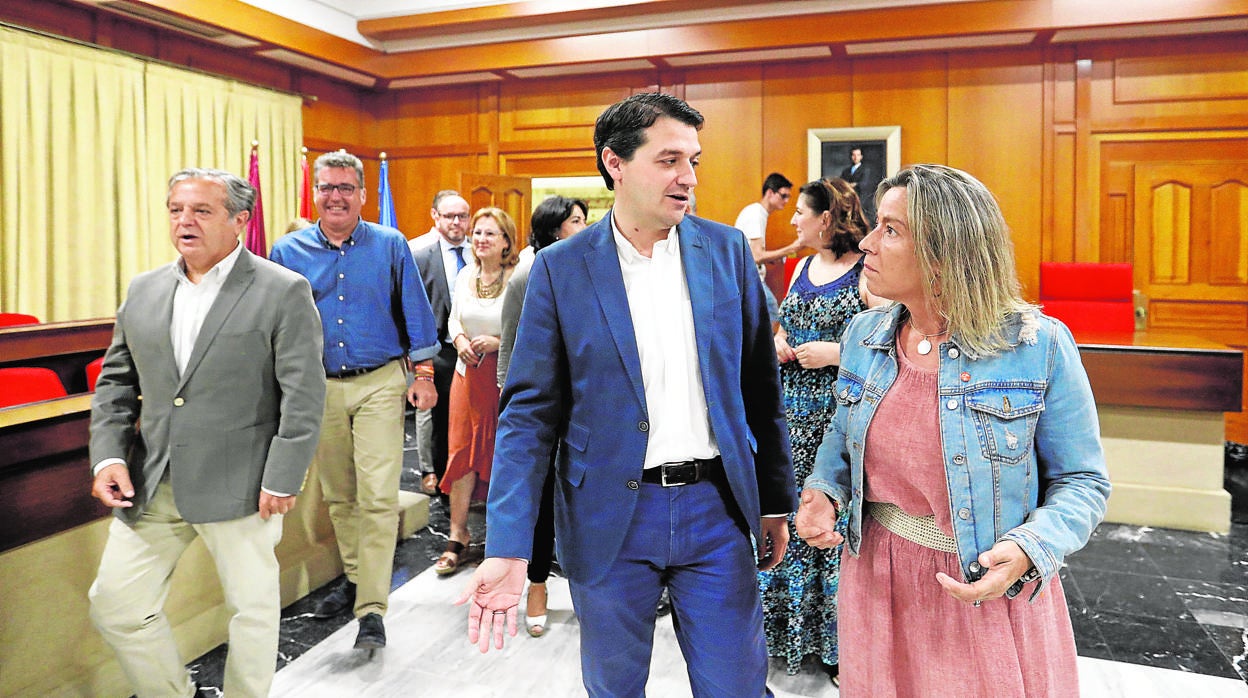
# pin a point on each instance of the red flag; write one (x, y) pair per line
(305, 188)
(255, 227)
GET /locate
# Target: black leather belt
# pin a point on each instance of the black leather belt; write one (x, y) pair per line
(352, 372)
(684, 473)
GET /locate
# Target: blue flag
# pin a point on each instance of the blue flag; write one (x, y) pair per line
(386, 201)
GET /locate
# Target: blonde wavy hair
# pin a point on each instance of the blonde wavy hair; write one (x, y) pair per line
(965, 253)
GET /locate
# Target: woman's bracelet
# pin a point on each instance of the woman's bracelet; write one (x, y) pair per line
(422, 377)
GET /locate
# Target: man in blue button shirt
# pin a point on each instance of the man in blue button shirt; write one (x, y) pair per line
(375, 318)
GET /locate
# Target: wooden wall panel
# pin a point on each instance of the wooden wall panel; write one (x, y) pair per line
(60, 18)
(415, 120)
(909, 91)
(415, 181)
(562, 108)
(1196, 315)
(1060, 144)
(1117, 228)
(1060, 241)
(1185, 78)
(796, 97)
(1170, 229)
(578, 163)
(996, 129)
(1229, 247)
(1184, 83)
(732, 139)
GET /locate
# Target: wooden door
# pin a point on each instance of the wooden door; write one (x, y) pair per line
(1191, 244)
(512, 194)
(1190, 251)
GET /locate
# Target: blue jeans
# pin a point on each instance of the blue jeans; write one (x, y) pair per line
(692, 540)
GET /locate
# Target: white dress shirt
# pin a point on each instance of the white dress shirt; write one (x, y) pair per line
(191, 303)
(658, 301)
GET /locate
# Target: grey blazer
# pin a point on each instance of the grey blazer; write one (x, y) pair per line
(246, 412)
(433, 273)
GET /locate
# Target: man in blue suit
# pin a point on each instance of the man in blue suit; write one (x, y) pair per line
(644, 354)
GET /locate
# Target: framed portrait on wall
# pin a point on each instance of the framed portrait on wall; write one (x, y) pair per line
(861, 156)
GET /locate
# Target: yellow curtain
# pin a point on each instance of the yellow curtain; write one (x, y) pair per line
(88, 140)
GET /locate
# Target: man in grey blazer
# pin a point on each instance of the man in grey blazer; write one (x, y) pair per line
(205, 418)
(439, 263)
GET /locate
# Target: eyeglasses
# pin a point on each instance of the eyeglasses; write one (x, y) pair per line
(784, 196)
(344, 189)
(453, 216)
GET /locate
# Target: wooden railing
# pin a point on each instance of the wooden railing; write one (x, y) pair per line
(1157, 369)
(44, 466)
(64, 347)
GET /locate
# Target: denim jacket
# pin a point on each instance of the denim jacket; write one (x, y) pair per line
(1018, 430)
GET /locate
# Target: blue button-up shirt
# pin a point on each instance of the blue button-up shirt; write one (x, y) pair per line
(369, 293)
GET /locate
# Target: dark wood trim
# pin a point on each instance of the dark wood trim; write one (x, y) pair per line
(64, 347)
(54, 339)
(1166, 377)
(45, 475)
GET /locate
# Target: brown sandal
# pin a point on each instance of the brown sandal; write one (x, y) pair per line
(448, 561)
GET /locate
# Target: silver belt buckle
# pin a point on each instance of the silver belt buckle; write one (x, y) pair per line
(663, 470)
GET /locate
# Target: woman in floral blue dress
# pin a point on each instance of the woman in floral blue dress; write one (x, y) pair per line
(799, 595)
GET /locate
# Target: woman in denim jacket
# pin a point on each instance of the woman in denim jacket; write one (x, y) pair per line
(966, 446)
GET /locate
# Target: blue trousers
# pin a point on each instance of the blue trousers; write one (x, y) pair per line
(691, 539)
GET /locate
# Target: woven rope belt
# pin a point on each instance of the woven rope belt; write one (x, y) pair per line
(916, 529)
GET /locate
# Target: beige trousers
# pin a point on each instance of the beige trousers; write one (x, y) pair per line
(129, 593)
(359, 461)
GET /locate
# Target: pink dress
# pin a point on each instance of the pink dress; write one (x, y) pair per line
(901, 634)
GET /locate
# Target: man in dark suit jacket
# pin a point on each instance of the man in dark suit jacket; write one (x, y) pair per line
(224, 348)
(863, 179)
(438, 264)
(644, 352)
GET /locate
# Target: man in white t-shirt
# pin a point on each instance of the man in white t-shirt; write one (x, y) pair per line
(753, 222)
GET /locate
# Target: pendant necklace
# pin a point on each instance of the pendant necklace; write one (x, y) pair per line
(925, 346)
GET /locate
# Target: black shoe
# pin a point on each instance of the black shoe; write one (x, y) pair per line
(340, 599)
(665, 604)
(372, 635)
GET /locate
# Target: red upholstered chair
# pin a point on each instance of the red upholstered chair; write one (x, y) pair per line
(1089, 296)
(790, 265)
(10, 319)
(19, 386)
(93, 373)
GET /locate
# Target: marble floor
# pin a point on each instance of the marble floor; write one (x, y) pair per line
(1155, 612)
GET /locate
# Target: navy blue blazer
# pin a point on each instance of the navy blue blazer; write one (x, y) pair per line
(575, 384)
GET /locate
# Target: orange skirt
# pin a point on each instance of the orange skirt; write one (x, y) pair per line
(471, 423)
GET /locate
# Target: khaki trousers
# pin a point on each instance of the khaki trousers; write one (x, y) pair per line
(129, 593)
(359, 461)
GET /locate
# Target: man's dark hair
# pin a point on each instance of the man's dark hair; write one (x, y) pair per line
(775, 182)
(549, 216)
(622, 126)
